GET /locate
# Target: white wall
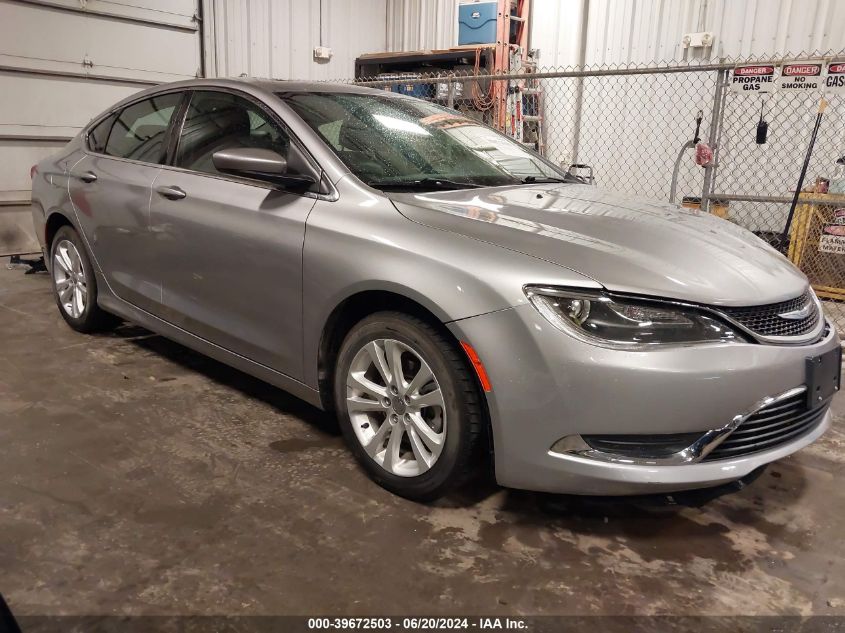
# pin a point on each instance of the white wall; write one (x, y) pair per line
(276, 38)
(639, 31)
(633, 127)
(414, 25)
(646, 31)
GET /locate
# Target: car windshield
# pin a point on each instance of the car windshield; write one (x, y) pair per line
(393, 142)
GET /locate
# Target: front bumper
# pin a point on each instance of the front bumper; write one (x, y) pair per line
(548, 385)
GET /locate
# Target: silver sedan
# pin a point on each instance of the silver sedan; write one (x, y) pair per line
(446, 291)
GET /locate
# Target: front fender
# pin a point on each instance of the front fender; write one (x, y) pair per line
(362, 243)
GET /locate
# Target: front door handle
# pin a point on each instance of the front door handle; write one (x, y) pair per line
(171, 193)
(88, 176)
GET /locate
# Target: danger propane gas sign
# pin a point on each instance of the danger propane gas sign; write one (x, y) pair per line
(835, 80)
(803, 77)
(755, 78)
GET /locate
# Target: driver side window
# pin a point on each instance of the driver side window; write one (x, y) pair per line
(216, 121)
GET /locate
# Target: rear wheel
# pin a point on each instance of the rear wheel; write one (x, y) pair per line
(74, 283)
(408, 406)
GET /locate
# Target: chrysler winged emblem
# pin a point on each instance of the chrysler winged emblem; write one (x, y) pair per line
(801, 313)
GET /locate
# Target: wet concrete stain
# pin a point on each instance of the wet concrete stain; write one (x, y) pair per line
(139, 477)
(297, 444)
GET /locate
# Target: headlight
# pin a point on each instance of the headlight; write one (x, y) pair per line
(627, 323)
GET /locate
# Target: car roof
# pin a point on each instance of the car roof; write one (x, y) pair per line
(286, 85)
(259, 87)
(266, 85)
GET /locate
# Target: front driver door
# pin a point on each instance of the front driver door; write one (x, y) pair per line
(230, 249)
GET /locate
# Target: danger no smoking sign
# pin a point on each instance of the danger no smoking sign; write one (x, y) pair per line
(801, 77)
(805, 77)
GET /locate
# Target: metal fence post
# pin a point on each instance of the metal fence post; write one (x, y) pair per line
(713, 137)
(576, 124)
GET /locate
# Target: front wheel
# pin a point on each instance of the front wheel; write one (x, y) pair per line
(408, 405)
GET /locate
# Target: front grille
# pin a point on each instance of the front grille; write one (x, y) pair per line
(641, 446)
(769, 428)
(764, 320)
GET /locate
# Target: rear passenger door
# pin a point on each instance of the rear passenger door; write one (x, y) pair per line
(230, 248)
(110, 190)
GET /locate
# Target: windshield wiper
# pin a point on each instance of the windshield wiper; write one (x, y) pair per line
(425, 184)
(531, 180)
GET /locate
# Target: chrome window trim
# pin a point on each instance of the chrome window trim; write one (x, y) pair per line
(575, 446)
(331, 196)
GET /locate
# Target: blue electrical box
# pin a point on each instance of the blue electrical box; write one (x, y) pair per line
(421, 91)
(477, 23)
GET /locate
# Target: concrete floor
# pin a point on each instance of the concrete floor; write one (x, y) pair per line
(138, 477)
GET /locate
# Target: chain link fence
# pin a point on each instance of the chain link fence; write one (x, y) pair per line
(635, 129)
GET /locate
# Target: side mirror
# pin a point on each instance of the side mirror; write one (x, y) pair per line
(260, 164)
(583, 172)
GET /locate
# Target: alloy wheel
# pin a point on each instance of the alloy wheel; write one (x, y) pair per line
(396, 407)
(69, 278)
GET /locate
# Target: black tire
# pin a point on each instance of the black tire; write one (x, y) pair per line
(92, 318)
(463, 410)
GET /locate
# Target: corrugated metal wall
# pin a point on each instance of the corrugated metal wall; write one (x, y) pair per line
(276, 38)
(644, 31)
(414, 25)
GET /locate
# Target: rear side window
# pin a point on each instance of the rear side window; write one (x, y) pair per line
(99, 134)
(140, 130)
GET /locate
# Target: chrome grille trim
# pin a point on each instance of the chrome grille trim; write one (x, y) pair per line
(707, 447)
(769, 427)
(764, 323)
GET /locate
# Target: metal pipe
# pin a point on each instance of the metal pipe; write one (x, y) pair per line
(579, 85)
(822, 106)
(643, 70)
(716, 117)
(79, 75)
(674, 187)
(809, 198)
(198, 17)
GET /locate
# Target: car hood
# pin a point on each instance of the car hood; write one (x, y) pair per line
(624, 243)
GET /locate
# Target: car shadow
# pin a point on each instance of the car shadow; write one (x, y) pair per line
(223, 374)
(484, 486)
(575, 511)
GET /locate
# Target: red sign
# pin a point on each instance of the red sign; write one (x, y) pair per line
(756, 78)
(836, 69)
(745, 71)
(802, 70)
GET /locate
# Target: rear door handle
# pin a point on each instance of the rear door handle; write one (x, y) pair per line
(171, 193)
(88, 176)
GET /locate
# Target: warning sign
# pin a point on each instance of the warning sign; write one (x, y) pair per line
(835, 80)
(803, 77)
(832, 239)
(756, 78)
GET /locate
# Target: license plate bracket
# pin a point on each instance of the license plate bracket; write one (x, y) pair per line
(823, 376)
